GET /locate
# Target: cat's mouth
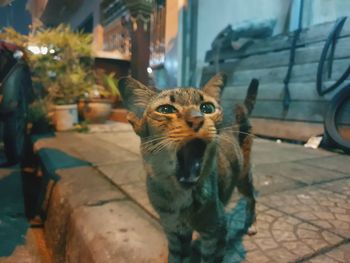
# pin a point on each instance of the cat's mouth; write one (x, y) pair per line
(190, 159)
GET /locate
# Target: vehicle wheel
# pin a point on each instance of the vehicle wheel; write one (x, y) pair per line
(329, 47)
(336, 123)
(14, 137)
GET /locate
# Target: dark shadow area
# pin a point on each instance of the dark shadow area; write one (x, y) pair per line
(39, 179)
(13, 222)
(52, 159)
(49, 161)
(237, 225)
(238, 222)
(23, 191)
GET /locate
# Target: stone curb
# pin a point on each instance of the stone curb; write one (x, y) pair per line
(90, 220)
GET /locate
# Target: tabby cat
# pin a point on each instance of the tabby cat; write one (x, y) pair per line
(192, 163)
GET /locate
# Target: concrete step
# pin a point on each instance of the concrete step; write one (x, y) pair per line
(91, 220)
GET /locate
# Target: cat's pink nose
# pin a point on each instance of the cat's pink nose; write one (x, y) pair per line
(194, 119)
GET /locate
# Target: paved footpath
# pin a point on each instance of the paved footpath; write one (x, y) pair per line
(105, 216)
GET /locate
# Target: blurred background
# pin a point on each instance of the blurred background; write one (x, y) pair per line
(183, 43)
(69, 55)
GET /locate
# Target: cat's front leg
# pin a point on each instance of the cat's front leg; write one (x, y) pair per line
(212, 247)
(179, 245)
(246, 187)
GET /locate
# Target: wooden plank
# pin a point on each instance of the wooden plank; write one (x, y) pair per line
(293, 130)
(311, 111)
(275, 91)
(308, 111)
(303, 55)
(300, 73)
(314, 34)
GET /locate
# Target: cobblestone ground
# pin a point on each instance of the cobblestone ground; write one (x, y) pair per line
(321, 208)
(303, 204)
(339, 254)
(284, 238)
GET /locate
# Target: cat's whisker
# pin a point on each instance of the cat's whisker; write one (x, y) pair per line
(158, 146)
(234, 131)
(248, 134)
(165, 145)
(162, 145)
(150, 145)
(245, 133)
(229, 126)
(227, 139)
(156, 139)
(153, 147)
(151, 136)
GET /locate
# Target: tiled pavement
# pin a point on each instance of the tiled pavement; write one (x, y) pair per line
(339, 254)
(303, 203)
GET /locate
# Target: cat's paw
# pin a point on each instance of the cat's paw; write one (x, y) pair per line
(252, 230)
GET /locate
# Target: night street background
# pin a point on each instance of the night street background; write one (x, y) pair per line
(15, 16)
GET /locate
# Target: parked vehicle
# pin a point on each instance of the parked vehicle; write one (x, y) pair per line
(16, 94)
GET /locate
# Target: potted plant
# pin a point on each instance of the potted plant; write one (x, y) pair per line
(64, 67)
(96, 106)
(38, 119)
(61, 62)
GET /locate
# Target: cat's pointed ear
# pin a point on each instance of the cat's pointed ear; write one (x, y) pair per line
(215, 86)
(135, 95)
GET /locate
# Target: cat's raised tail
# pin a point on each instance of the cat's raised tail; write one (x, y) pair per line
(252, 92)
(242, 113)
(245, 185)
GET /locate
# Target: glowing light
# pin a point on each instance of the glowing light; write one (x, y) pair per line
(149, 70)
(34, 49)
(44, 50)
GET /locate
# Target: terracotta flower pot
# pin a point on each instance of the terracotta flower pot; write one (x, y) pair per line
(95, 110)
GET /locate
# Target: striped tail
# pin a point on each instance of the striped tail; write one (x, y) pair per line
(243, 111)
(252, 92)
(245, 184)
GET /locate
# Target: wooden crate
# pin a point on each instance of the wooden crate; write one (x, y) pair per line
(267, 60)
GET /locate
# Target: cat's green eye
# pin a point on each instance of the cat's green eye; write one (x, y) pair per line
(207, 107)
(166, 109)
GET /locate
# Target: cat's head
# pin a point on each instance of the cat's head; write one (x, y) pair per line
(182, 120)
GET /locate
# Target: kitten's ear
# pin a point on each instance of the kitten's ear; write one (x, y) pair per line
(135, 95)
(215, 86)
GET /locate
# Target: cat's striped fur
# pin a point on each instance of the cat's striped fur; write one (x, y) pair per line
(192, 162)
